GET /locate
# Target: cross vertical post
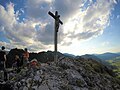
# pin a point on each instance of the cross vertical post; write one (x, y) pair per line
(57, 22)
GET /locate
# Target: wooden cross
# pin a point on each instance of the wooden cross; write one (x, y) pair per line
(57, 23)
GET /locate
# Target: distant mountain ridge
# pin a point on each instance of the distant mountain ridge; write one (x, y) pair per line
(69, 55)
(87, 56)
(107, 56)
(104, 56)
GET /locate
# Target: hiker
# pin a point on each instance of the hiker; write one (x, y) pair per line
(3, 61)
(25, 57)
(17, 63)
(21, 64)
(34, 63)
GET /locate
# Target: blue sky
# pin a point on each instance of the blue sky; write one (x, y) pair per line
(90, 26)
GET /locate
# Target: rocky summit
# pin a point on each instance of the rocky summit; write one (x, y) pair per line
(66, 74)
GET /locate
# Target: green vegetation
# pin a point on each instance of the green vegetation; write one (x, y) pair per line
(116, 63)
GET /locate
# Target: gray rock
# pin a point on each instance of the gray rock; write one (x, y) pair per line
(68, 74)
(43, 87)
(25, 88)
(75, 78)
(35, 88)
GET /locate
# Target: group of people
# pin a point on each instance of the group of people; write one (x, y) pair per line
(21, 62)
(17, 61)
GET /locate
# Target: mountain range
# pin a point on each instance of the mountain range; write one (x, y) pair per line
(104, 56)
(107, 56)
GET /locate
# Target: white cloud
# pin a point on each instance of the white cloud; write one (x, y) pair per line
(37, 9)
(105, 43)
(81, 22)
(68, 8)
(19, 34)
(118, 16)
(90, 22)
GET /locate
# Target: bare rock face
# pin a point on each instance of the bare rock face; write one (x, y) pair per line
(67, 74)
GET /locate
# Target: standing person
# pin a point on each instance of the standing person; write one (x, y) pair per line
(3, 61)
(21, 64)
(25, 57)
(18, 62)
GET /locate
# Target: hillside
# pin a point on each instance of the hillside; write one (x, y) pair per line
(87, 56)
(68, 74)
(116, 63)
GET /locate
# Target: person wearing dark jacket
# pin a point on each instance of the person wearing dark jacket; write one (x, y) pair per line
(2, 58)
(17, 62)
(3, 61)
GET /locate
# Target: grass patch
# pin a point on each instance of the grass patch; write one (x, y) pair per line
(116, 63)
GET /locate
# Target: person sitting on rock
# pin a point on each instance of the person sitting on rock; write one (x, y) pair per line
(34, 63)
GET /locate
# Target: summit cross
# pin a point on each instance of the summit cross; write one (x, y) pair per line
(57, 23)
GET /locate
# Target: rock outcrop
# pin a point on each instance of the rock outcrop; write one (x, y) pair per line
(67, 74)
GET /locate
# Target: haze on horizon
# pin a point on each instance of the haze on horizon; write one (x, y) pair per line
(90, 26)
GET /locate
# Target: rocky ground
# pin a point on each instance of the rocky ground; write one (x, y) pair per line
(67, 74)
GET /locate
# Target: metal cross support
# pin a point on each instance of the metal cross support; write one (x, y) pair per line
(57, 23)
